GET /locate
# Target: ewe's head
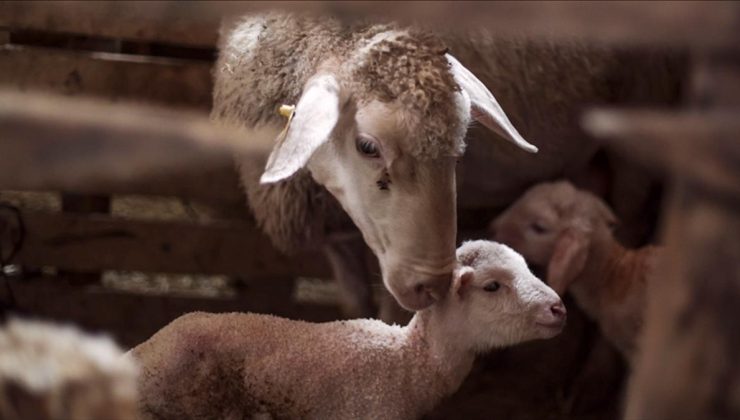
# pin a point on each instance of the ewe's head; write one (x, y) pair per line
(502, 301)
(381, 127)
(552, 225)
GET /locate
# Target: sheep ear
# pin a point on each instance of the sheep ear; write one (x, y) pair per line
(316, 115)
(462, 278)
(568, 259)
(483, 105)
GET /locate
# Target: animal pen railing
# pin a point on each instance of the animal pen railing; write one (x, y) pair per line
(119, 53)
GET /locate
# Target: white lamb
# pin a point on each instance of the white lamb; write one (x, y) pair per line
(570, 232)
(236, 365)
(49, 372)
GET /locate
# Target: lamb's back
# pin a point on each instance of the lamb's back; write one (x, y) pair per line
(226, 365)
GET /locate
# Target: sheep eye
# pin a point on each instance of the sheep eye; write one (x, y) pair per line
(367, 146)
(538, 228)
(492, 287)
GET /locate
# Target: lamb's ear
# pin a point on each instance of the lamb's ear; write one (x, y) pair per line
(568, 259)
(461, 279)
(316, 114)
(483, 105)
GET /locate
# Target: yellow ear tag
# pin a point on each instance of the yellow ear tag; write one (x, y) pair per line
(286, 111)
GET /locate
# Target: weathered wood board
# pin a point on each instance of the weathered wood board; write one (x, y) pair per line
(95, 242)
(115, 77)
(677, 23)
(132, 318)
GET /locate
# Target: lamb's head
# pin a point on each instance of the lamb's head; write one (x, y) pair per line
(553, 225)
(501, 301)
(381, 129)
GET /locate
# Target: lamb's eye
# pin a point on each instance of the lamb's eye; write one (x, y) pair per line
(492, 286)
(367, 146)
(538, 228)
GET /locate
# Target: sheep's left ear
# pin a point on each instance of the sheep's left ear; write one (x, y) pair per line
(484, 107)
(315, 117)
(568, 259)
(461, 279)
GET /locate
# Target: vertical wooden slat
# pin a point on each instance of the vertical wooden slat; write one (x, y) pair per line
(689, 366)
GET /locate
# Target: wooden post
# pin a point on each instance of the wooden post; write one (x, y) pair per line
(689, 366)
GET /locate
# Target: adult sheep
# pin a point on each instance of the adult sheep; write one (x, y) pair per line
(382, 112)
(380, 119)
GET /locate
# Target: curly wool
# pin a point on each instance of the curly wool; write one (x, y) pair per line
(411, 69)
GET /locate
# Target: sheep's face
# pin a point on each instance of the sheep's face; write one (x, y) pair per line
(535, 222)
(382, 132)
(501, 300)
(403, 204)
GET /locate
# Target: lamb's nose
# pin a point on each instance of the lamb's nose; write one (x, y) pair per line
(558, 311)
(552, 316)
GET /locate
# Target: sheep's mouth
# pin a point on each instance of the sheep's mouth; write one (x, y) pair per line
(551, 329)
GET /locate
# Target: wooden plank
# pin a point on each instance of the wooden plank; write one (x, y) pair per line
(116, 77)
(677, 23)
(99, 242)
(74, 143)
(702, 144)
(189, 23)
(132, 318)
(81, 204)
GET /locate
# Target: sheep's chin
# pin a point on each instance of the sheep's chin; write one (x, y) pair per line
(549, 331)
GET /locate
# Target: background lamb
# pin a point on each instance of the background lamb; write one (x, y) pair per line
(58, 373)
(397, 85)
(570, 232)
(231, 365)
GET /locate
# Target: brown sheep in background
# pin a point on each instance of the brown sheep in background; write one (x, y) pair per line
(569, 231)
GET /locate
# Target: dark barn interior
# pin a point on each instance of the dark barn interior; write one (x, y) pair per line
(121, 207)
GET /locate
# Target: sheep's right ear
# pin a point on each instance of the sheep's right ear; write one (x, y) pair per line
(484, 107)
(315, 117)
(461, 279)
(568, 259)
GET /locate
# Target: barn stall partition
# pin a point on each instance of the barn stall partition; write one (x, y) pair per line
(131, 56)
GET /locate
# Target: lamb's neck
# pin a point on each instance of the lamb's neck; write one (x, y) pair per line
(447, 355)
(608, 272)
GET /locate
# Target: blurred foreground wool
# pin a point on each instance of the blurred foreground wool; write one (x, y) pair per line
(58, 372)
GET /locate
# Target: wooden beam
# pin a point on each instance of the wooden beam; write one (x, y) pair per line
(81, 204)
(73, 143)
(692, 23)
(132, 318)
(701, 144)
(189, 23)
(116, 77)
(98, 242)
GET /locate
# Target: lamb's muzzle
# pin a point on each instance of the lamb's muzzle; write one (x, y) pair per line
(552, 316)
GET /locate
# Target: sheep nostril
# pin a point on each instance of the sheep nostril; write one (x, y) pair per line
(558, 310)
